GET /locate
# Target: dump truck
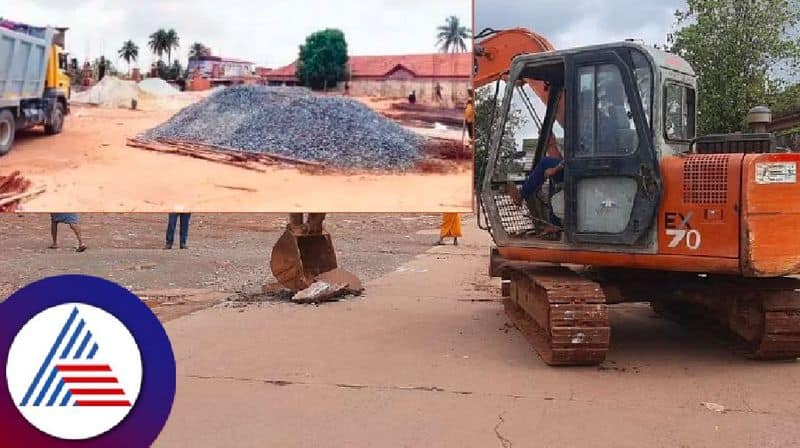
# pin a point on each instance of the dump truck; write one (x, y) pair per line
(34, 85)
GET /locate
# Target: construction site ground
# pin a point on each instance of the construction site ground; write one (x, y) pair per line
(88, 167)
(426, 357)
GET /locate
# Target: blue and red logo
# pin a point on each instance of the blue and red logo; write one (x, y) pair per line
(87, 364)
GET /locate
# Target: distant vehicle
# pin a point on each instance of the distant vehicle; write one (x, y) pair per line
(34, 84)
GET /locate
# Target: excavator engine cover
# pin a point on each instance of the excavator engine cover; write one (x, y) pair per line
(298, 258)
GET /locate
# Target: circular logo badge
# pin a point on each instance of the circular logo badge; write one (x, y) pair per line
(64, 382)
(87, 364)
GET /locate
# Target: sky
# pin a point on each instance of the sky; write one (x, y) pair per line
(266, 32)
(575, 23)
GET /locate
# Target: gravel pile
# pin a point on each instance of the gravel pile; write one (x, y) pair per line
(297, 123)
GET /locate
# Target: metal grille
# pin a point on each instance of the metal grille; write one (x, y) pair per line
(735, 143)
(705, 179)
(515, 220)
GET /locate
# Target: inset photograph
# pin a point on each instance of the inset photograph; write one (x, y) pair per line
(649, 150)
(169, 107)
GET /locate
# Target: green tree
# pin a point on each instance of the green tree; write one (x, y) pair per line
(169, 72)
(735, 47)
(197, 49)
(323, 59)
(452, 36)
(129, 52)
(110, 70)
(487, 111)
(171, 42)
(786, 100)
(158, 43)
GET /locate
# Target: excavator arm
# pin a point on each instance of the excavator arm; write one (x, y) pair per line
(496, 49)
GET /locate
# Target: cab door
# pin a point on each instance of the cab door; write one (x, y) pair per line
(612, 183)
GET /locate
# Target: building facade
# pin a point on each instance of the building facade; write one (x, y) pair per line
(439, 78)
(215, 67)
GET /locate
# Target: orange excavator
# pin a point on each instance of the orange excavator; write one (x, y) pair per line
(700, 226)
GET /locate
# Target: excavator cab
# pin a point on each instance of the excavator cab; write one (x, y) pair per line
(601, 106)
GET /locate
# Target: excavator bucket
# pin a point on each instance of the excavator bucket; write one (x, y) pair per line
(298, 258)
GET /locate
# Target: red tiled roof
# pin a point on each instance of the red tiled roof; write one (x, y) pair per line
(436, 65)
(287, 71)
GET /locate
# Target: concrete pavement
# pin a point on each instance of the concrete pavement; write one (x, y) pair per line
(427, 358)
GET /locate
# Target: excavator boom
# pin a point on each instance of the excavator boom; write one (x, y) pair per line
(494, 51)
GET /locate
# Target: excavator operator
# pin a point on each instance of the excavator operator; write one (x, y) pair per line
(551, 166)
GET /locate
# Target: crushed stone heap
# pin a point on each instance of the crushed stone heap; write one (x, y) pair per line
(295, 122)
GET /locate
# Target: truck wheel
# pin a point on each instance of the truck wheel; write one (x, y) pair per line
(56, 120)
(8, 128)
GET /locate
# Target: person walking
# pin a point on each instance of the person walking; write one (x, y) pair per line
(438, 91)
(469, 119)
(184, 229)
(450, 228)
(70, 219)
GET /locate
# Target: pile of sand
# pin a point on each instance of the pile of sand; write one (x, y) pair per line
(111, 92)
(157, 87)
(150, 94)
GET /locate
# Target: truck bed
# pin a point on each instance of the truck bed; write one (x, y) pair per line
(23, 65)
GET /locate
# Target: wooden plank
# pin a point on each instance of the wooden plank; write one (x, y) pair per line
(21, 196)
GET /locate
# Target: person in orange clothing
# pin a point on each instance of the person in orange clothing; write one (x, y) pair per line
(469, 118)
(450, 228)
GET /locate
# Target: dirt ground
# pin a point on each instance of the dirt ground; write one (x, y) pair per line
(424, 358)
(88, 167)
(227, 252)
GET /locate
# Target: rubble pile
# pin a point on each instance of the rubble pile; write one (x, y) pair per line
(297, 123)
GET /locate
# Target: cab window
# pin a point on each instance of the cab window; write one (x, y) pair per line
(679, 112)
(605, 121)
(644, 82)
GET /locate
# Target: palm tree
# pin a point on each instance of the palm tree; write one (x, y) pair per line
(197, 49)
(129, 52)
(452, 35)
(171, 41)
(157, 42)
